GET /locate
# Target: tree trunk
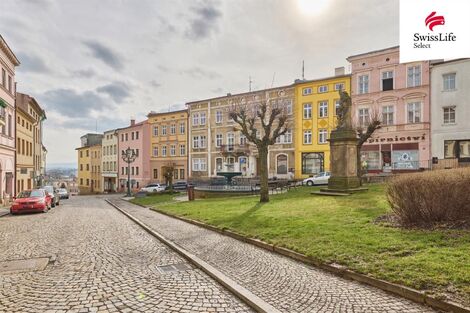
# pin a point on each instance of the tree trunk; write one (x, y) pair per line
(263, 173)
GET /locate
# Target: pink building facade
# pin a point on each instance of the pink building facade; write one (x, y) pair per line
(399, 95)
(137, 137)
(8, 62)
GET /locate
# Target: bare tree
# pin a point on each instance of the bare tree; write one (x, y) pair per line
(365, 129)
(168, 172)
(262, 120)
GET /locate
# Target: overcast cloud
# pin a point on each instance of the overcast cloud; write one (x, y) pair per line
(95, 64)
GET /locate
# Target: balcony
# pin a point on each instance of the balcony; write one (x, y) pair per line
(235, 150)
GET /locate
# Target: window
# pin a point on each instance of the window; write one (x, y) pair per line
(182, 150)
(323, 109)
(195, 142)
(364, 118)
(307, 110)
(281, 164)
(218, 117)
(363, 84)
(323, 88)
(288, 136)
(182, 127)
(88, 182)
(164, 130)
(312, 163)
(230, 140)
(218, 140)
(218, 164)
(449, 115)
(202, 141)
(127, 136)
(155, 151)
(387, 115)
(136, 135)
(414, 112)
(81, 167)
(242, 139)
(155, 173)
(449, 81)
(202, 119)
(307, 91)
(387, 80)
(414, 76)
(122, 170)
(337, 104)
(195, 119)
(307, 137)
(173, 150)
(136, 152)
(182, 173)
(81, 181)
(173, 129)
(10, 85)
(137, 170)
(175, 174)
(164, 151)
(132, 136)
(289, 107)
(339, 86)
(155, 130)
(322, 135)
(199, 165)
(4, 78)
(122, 137)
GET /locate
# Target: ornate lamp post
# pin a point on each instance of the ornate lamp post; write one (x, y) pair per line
(129, 156)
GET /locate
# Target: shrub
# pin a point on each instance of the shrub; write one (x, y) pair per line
(430, 198)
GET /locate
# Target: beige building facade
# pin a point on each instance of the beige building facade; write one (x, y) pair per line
(29, 152)
(168, 144)
(217, 145)
(109, 161)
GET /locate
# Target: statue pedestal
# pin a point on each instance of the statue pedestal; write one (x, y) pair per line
(343, 152)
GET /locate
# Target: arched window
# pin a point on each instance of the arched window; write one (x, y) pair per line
(281, 161)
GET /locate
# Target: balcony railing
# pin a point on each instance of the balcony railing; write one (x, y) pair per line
(234, 149)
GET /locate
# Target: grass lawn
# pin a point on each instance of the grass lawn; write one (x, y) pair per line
(341, 230)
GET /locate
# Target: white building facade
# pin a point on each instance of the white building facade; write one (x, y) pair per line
(450, 113)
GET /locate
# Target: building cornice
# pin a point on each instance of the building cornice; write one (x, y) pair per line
(11, 56)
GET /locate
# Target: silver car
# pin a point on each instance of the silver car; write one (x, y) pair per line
(52, 191)
(63, 193)
(319, 179)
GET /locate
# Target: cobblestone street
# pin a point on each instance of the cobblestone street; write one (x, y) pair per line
(288, 285)
(100, 261)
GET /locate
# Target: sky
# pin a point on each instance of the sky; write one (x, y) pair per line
(95, 64)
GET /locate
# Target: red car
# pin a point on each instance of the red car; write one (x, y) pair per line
(36, 200)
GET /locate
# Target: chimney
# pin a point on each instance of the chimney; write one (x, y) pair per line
(339, 71)
(132, 121)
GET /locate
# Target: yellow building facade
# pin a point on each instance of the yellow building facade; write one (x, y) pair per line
(316, 103)
(168, 144)
(84, 170)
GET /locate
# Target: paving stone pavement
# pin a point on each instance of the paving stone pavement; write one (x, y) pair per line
(288, 285)
(104, 262)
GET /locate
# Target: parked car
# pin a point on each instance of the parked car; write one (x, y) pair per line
(319, 179)
(35, 200)
(153, 188)
(51, 190)
(63, 193)
(180, 185)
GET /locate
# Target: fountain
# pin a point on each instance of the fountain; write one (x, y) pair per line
(228, 189)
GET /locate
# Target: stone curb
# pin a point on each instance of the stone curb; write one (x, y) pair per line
(242, 293)
(399, 290)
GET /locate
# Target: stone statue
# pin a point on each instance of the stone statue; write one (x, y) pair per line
(344, 112)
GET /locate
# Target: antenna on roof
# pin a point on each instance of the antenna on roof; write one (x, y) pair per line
(249, 82)
(303, 70)
(274, 76)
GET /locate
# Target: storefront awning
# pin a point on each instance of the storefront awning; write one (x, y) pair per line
(3, 103)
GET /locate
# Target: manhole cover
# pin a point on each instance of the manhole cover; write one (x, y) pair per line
(28, 265)
(171, 268)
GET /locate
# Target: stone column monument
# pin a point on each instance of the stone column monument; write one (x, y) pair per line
(343, 151)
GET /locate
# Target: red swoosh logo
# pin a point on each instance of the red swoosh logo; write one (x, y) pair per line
(433, 20)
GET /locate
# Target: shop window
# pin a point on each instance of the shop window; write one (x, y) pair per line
(405, 159)
(370, 160)
(312, 163)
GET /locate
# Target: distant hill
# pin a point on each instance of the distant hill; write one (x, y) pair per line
(61, 166)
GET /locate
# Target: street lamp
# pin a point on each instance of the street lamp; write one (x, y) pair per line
(129, 156)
